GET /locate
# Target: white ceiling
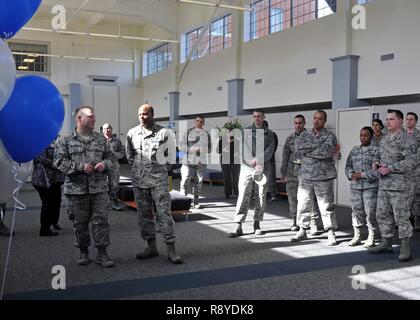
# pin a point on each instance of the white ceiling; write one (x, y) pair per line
(89, 13)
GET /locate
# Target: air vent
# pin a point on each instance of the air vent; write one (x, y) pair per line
(258, 81)
(311, 71)
(103, 80)
(386, 57)
(219, 88)
(189, 94)
(165, 98)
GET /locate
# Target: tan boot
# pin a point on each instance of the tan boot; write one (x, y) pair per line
(357, 239)
(300, 236)
(84, 257)
(294, 227)
(370, 241)
(103, 259)
(384, 247)
(150, 252)
(405, 253)
(332, 241)
(172, 255)
(237, 233)
(257, 228)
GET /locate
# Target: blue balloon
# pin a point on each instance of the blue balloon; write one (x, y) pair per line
(32, 118)
(14, 14)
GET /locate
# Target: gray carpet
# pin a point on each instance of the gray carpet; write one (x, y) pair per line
(217, 267)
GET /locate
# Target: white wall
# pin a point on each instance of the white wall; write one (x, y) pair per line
(281, 61)
(392, 27)
(202, 78)
(156, 91)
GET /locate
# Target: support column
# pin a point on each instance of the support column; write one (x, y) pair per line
(345, 80)
(173, 105)
(236, 97)
(75, 101)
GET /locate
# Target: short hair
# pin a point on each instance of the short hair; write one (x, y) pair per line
(152, 111)
(201, 117)
(414, 115)
(300, 117)
(398, 113)
(368, 129)
(109, 125)
(378, 121)
(259, 110)
(323, 113)
(76, 113)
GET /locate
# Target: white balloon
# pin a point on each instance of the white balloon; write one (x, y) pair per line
(7, 72)
(9, 183)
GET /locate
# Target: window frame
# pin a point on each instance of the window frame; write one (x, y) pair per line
(186, 46)
(159, 63)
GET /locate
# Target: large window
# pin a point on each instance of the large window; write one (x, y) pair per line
(29, 57)
(217, 37)
(269, 16)
(157, 59)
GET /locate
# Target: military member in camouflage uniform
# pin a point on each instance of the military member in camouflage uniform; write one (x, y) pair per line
(316, 177)
(196, 143)
(150, 148)
(84, 157)
(258, 148)
(289, 174)
(114, 172)
(411, 120)
(397, 160)
(363, 187)
(377, 127)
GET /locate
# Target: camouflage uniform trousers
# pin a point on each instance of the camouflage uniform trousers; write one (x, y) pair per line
(114, 183)
(323, 192)
(92, 208)
(245, 187)
(292, 191)
(146, 218)
(393, 208)
(363, 205)
(415, 199)
(189, 171)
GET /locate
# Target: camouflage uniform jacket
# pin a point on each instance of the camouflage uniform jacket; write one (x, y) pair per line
(145, 151)
(416, 138)
(316, 152)
(360, 159)
(117, 147)
(288, 167)
(198, 138)
(73, 152)
(398, 153)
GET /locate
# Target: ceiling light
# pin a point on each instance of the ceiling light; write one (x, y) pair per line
(23, 68)
(226, 6)
(72, 57)
(102, 35)
(29, 60)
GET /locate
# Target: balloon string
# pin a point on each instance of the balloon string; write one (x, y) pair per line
(18, 206)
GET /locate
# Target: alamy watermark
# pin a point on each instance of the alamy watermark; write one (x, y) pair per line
(358, 281)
